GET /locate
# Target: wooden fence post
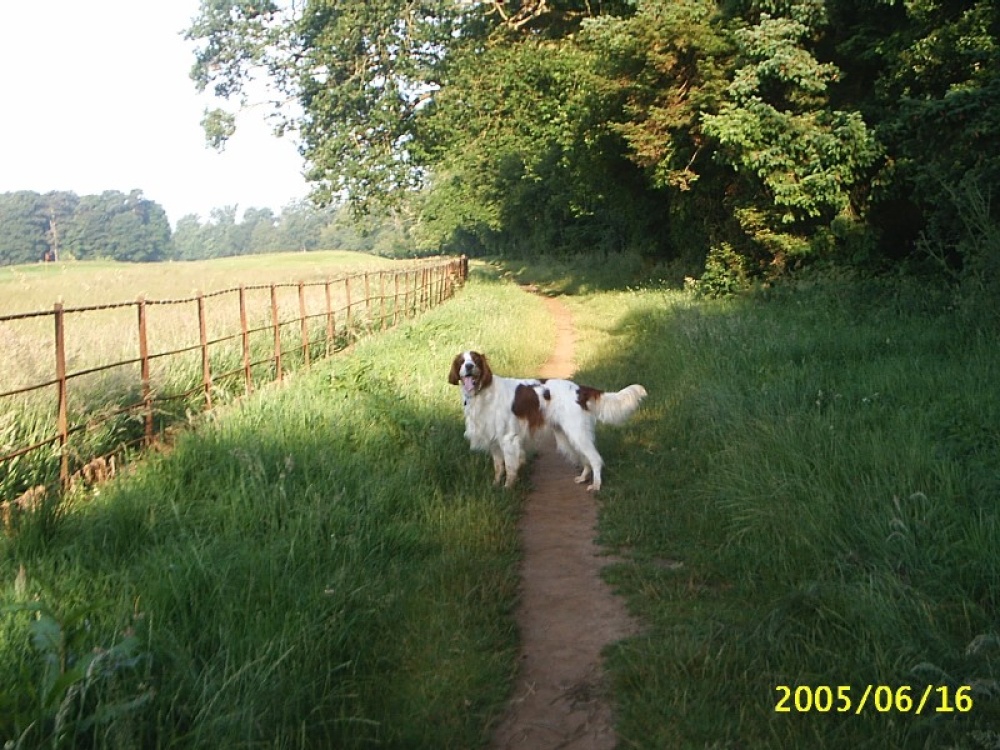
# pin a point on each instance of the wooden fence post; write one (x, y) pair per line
(304, 324)
(62, 420)
(416, 292)
(347, 291)
(245, 337)
(277, 333)
(331, 323)
(147, 396)
(206, 367)
(406, 294)
(395, 298)
(381, 300)
(368, 302)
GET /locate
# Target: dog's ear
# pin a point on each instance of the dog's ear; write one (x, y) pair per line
(485, 373)
(455, 364)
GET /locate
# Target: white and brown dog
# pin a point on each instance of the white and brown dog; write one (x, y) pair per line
(503, 414)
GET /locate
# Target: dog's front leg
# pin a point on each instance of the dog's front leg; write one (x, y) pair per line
(498, 464)
(513, 456)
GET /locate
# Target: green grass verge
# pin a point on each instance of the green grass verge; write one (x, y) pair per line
(808, 498)
(320, 566)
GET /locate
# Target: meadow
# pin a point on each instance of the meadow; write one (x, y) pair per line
(38, 286)
(806, 500)
(343, 295)
(99, 336)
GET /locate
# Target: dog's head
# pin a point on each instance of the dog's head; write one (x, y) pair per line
(471, 370)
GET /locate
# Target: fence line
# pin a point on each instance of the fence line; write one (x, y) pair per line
(319, 334)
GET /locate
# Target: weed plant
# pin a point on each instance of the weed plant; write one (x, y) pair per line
(319, 566)
(808, 498)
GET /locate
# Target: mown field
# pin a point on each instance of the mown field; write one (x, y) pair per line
(807, 499)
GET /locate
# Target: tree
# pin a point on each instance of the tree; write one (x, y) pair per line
(61, 207)
(24, 222)
(188, 241)
(120, 227)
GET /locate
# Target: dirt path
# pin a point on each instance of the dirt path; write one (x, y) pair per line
(567, 614)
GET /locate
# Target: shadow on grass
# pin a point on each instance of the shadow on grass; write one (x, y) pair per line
(325, 567)
(584, 273)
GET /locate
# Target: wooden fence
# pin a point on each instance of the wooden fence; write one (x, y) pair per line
(349, 306)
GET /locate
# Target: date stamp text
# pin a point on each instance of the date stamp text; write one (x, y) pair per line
(844, 699)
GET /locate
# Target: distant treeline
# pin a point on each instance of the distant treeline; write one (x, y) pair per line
(61, 225)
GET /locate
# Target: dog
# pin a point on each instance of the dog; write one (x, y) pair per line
(503, 415)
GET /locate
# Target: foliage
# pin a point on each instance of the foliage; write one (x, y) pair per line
(62, 226)
(790, 131)
(797, 160)
(534, 169)
(24, 225)
(79, 688)
(725, 273)
(972, 258)
(300, 227)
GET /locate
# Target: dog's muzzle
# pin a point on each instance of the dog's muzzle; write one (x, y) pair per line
(470, 384)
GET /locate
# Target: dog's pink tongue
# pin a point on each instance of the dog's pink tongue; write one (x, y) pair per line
(469, 384)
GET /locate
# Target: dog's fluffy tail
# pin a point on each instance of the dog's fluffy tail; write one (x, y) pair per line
(615, 408)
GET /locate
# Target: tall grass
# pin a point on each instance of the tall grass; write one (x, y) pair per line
(808, 498)
(320, 566)
(36, 286)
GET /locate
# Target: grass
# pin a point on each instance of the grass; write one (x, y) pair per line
(320, 566)
(808, 498)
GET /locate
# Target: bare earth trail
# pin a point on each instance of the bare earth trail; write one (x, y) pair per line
(567, 613)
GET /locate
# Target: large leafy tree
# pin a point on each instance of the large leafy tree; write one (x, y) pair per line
(358, 73)
(939, 96)
(118, 226)
(534, 164)
(489, 98)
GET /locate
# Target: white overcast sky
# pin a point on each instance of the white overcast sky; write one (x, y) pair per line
(96, 96)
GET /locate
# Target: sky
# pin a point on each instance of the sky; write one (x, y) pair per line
(96, 96)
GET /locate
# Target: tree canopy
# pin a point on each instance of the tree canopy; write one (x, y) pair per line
(764, 131)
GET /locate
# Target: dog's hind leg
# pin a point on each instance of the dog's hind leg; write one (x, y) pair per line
(592, 462)
(570, 453)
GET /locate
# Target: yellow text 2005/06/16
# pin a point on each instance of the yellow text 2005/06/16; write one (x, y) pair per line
(881, 698)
